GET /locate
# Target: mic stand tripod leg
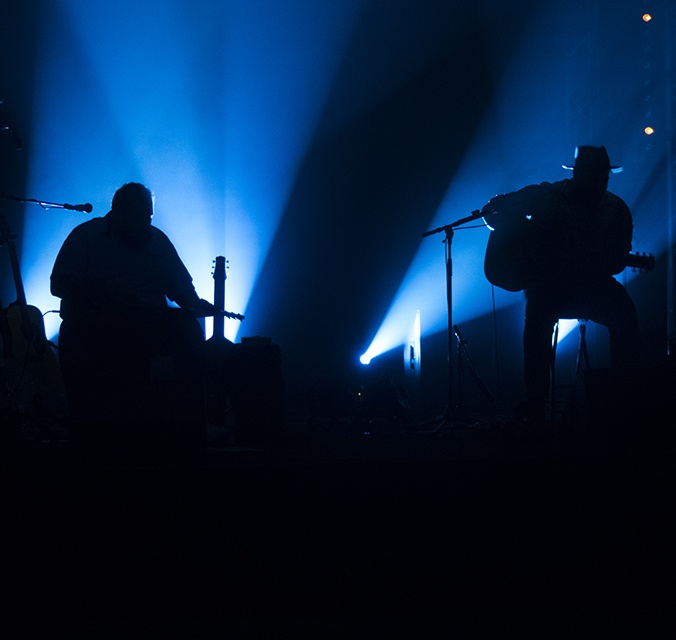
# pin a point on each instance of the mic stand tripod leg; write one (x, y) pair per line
(465, 361)
(459, 412)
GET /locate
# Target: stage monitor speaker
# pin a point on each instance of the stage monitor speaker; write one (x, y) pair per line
(257, 392)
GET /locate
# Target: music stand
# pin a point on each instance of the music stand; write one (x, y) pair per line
(450, 413)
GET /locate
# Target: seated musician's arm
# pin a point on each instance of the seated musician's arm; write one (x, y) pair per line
(510, 209)
(183, 291)
(188, 299)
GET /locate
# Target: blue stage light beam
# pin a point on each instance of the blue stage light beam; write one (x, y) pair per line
(281, 59)
(212, 105)
(522, 141)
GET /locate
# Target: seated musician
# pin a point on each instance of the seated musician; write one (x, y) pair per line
(571, 238)
(119, 337)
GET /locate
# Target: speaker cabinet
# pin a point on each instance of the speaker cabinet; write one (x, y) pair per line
(257, 392)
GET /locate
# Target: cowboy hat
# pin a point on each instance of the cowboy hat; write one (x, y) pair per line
(593, 159)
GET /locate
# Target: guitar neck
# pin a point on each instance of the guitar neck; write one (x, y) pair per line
(16, 273)
(219, 326)
(6, 236)
(219, 297)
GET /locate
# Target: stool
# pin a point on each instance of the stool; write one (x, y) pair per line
(582, 353)
(582, 359)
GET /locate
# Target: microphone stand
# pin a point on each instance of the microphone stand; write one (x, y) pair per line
(86, 208)
(450, 412)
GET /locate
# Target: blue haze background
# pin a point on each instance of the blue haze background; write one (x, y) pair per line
(313, 142)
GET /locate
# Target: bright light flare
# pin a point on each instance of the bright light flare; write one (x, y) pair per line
(565, 327)
(412, 348)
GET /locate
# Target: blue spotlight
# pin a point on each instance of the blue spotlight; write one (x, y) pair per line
(212, 105)
(396, 331)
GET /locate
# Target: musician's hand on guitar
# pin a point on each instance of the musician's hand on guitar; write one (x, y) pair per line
(203, 308)
(487, 210)
(490, 215)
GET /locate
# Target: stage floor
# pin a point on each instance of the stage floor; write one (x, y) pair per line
(341, 531)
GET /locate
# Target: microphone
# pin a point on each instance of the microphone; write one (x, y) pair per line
(87, 208)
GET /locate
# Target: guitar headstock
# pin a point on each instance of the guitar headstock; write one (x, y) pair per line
(641, 261)
(233, 316)
(220, 269)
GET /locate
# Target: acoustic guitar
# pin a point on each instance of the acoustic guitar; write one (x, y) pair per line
(509, 263)
(31, 372)
(219, 352)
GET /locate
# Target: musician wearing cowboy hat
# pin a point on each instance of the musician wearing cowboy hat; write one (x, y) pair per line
(570, 239)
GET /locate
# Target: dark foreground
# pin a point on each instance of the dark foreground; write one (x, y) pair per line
(477, 530)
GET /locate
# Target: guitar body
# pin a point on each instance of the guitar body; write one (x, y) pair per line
(27, 338)
(506, 262)
(32, 376)
(514, 260)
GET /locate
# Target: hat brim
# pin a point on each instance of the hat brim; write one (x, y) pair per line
(612, 169)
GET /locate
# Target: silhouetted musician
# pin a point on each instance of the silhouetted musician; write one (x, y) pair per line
(562, 243)
(119, 337)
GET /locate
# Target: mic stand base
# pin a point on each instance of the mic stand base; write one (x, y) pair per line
(458, 416)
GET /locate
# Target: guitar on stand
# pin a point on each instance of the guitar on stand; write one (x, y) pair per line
(219, 352)
(29, 371)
